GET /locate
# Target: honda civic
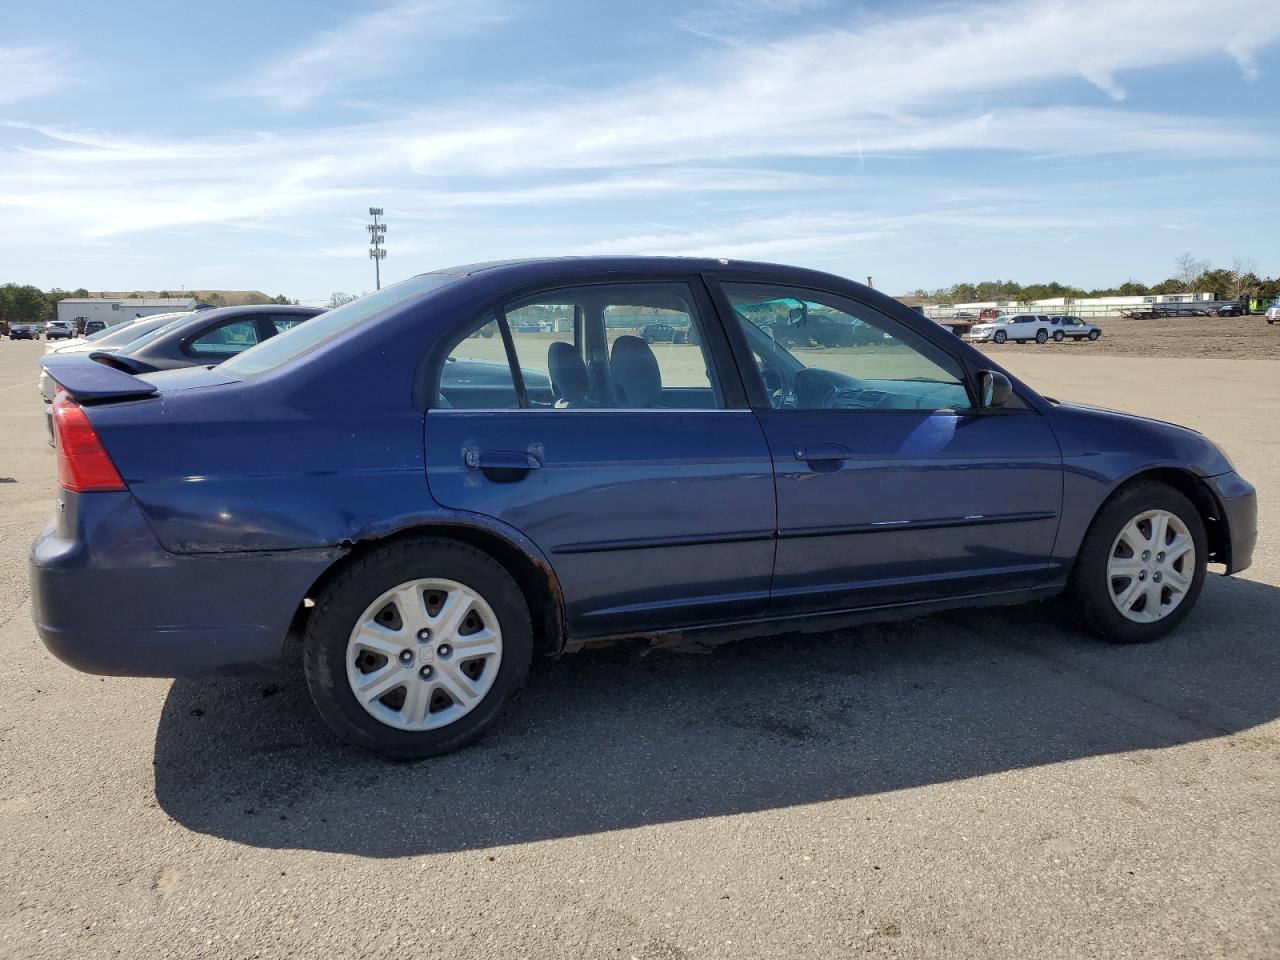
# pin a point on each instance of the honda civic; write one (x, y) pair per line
(428, 509)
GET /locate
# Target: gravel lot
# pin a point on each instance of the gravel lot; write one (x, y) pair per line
(986, 784)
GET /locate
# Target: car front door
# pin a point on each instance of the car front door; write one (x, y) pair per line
(892, 486)
(637, 469)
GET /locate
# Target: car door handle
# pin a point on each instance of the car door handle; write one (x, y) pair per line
(501, 464)
(819, 452)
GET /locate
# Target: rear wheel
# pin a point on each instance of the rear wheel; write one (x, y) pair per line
(415, 649)
(1042, 336)
(1141, 566)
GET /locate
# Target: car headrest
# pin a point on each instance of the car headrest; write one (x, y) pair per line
(634, 369)
(568, 372)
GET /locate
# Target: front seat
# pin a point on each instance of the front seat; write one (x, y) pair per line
(568, 374)
(633, 368)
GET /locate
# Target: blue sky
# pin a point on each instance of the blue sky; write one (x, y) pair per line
(239, 145)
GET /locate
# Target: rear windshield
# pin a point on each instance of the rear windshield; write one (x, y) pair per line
(120, 335)
(296, 341)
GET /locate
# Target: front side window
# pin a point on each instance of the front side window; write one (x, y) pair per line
(477, 373)
(225, 340)
(818, 351)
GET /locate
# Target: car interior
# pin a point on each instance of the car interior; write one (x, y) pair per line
(582, 349)
(585, 348)
(875, 365)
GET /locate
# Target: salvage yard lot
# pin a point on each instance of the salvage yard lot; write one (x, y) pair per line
(979, 784)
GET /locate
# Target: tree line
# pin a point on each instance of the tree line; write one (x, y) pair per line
(1190, 275)
(24, 303)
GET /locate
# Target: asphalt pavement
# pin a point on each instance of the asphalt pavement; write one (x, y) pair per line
(979, 784)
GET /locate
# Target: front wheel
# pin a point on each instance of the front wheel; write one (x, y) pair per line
(1000, 336)
(1141, 566)
(1094, 334)
(1059, 336)
(416, 649)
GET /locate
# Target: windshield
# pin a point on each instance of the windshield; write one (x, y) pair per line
(296, 341)
(122, 333)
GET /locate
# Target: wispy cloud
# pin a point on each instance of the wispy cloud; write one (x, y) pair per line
(850, 90)
(30, 72)
(368, 45)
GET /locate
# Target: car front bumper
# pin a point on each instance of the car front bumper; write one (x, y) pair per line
(1239, 502)
(106, 598)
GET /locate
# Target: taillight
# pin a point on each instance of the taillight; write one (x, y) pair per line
(83, 464)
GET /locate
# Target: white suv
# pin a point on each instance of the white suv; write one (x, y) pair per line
(1073, 327)
(1019, 327)
(1273, 311)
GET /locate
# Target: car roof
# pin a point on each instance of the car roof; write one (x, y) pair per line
(536, 269)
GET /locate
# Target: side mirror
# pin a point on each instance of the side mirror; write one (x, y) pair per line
(995, 389)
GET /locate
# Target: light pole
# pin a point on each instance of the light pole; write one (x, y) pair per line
(377, 235)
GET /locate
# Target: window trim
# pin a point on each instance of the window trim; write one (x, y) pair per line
(718, 352)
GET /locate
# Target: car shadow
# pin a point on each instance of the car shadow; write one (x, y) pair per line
(611, 739)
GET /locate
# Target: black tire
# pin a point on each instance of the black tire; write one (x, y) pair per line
(345, 599)
(1059, 336)
(1088, 591)
(1000, 336)
(1042, 336)
(1094, 334)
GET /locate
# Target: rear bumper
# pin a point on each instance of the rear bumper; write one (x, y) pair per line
(107, 599)
(1239, 502)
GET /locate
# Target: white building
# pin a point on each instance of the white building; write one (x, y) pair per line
(118, 309)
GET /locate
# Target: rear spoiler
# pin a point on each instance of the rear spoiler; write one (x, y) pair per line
(127, 364)
(91, 382)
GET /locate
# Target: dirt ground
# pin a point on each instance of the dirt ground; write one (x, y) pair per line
(1217, 337)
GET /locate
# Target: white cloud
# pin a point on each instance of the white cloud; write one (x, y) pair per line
(366, 45)
(957, 78)
(30, 72)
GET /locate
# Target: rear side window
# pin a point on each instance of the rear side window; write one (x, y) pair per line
(592, 347)
(283, 323)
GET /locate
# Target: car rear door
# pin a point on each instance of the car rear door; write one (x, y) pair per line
(637, 469)
(891, 486)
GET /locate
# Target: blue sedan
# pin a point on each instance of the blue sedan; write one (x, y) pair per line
(428, 504)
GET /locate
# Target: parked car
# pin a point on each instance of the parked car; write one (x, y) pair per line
(1273, 312)
(93, 326)
(59, 330)
(24, 331)
(205, 337)
(661, 333)
(987, 327)
(427, 536)
(1019, 327)
(173, 340)
(1074, 328)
